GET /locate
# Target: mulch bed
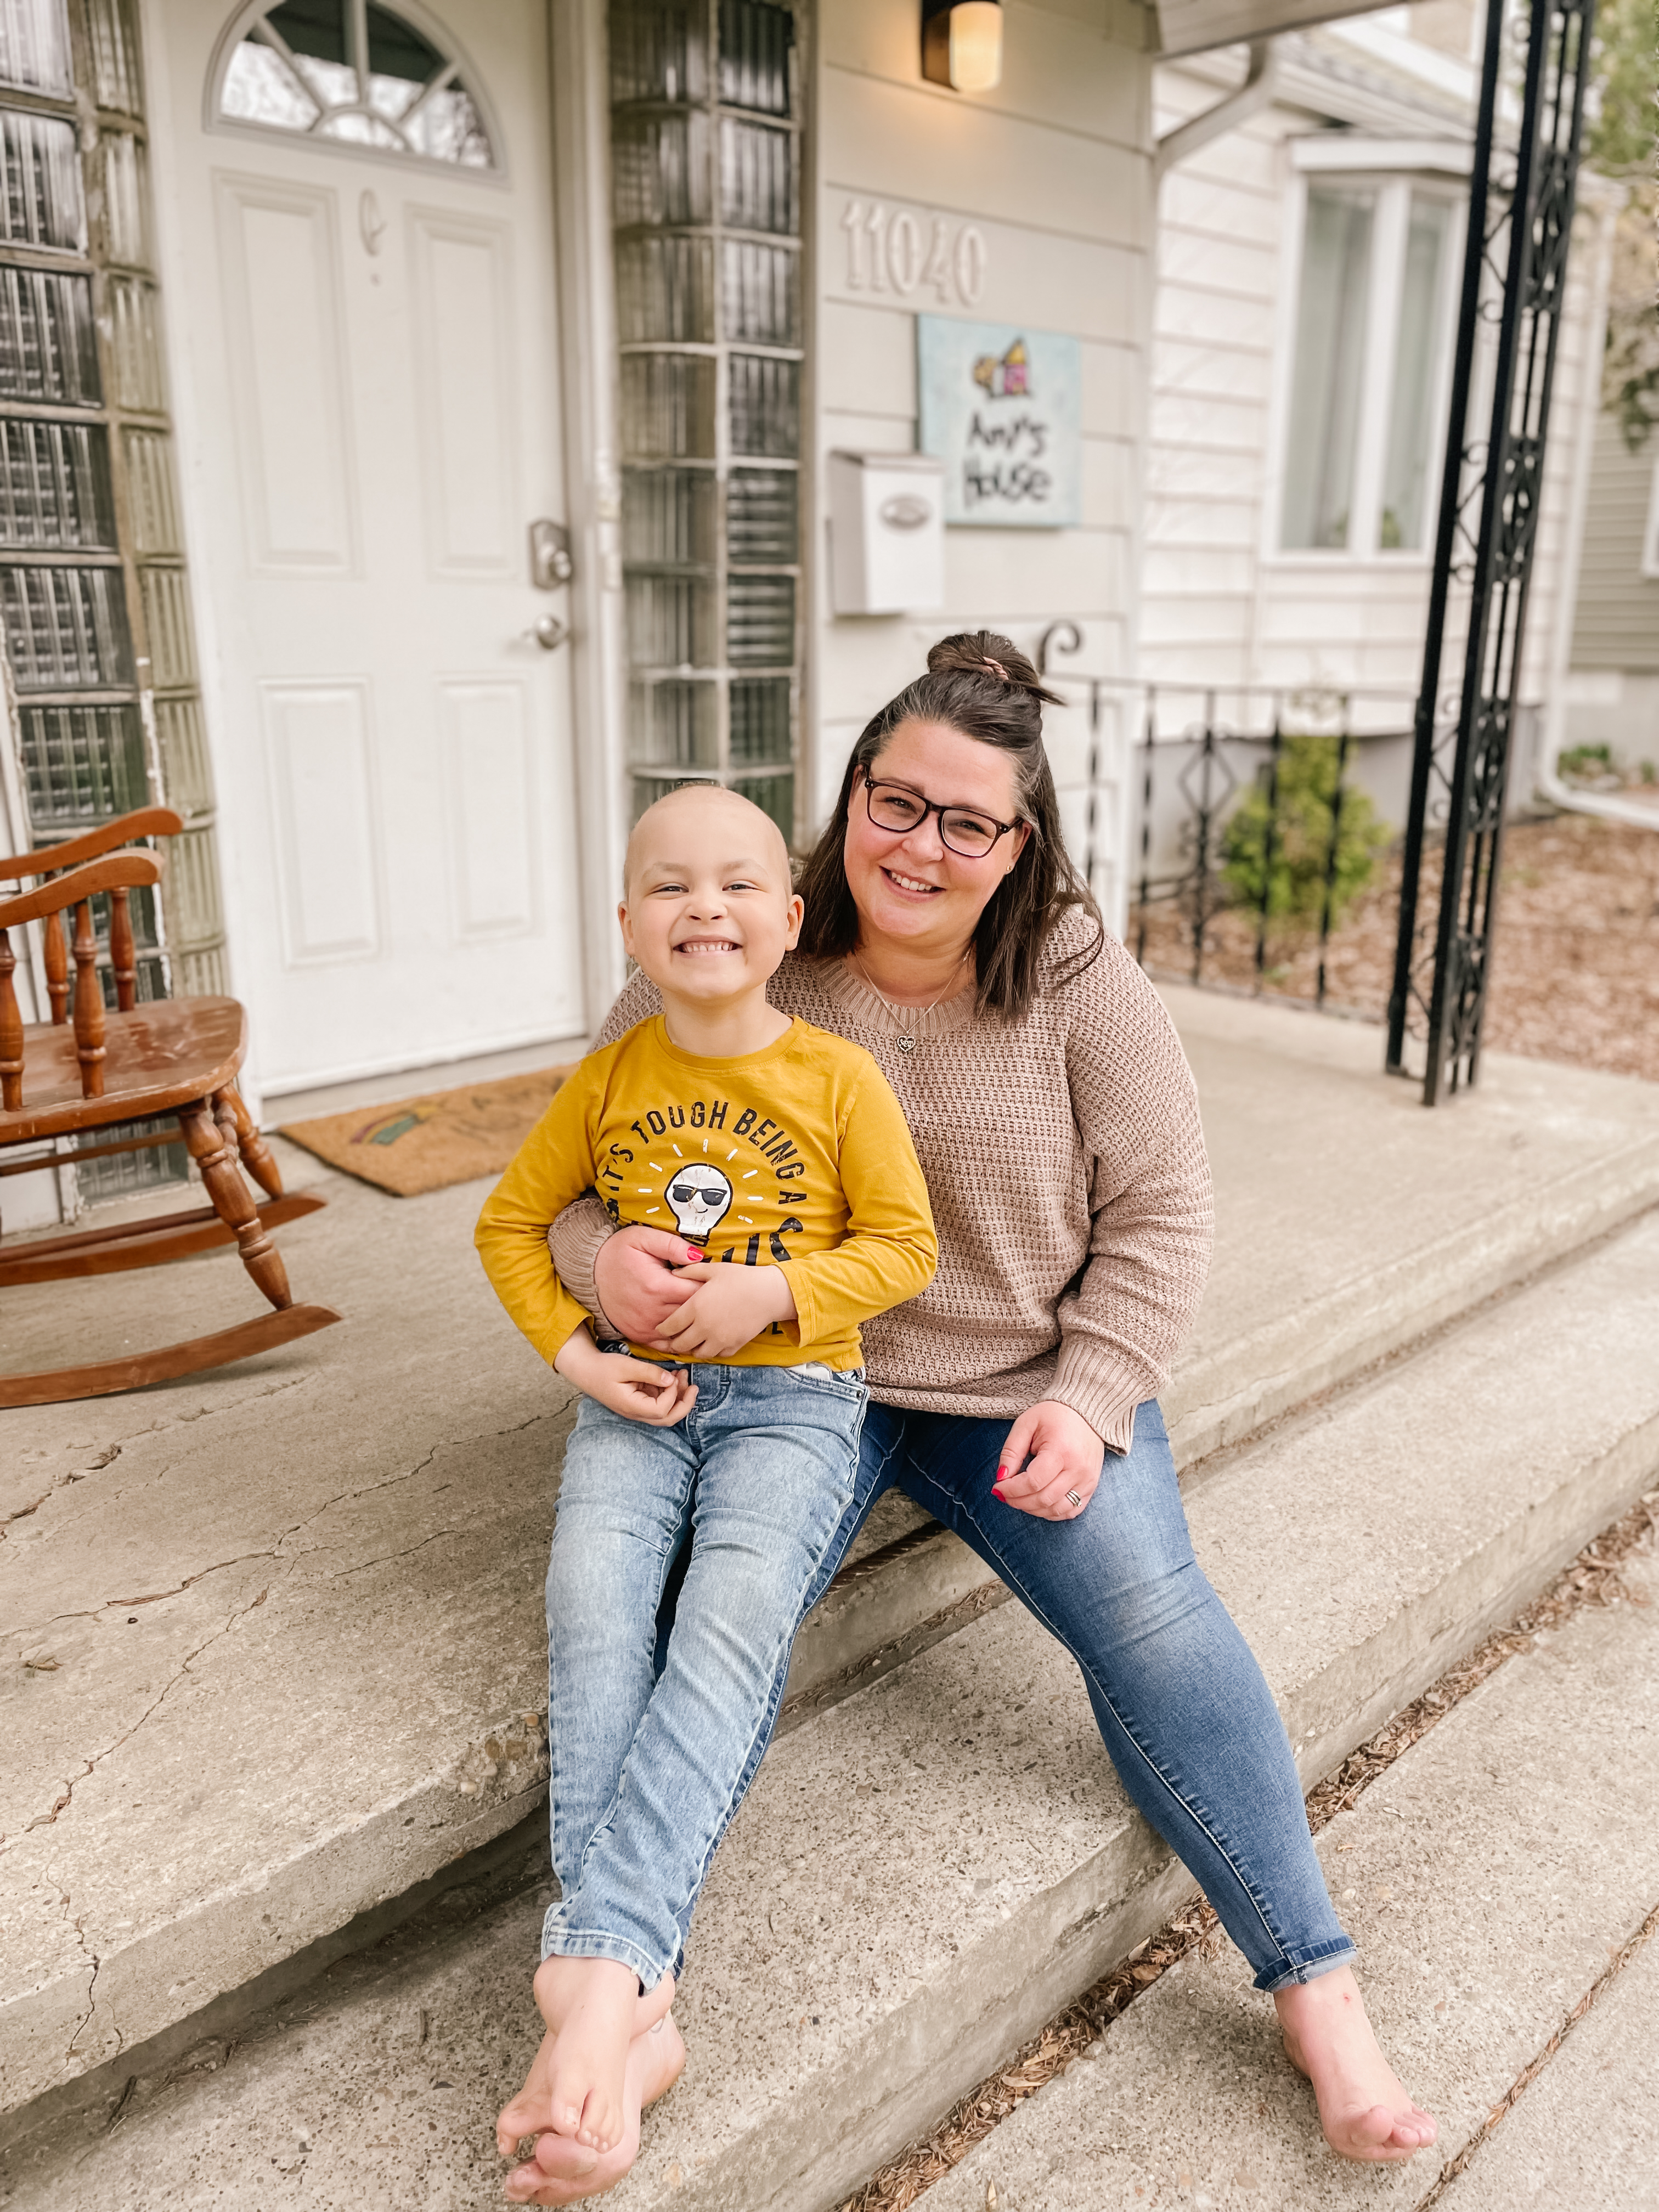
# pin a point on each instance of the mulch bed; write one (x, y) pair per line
(1575, 962)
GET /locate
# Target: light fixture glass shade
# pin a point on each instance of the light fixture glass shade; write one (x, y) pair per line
(962, 45)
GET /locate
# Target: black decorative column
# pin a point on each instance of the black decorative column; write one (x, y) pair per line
(1515, 273)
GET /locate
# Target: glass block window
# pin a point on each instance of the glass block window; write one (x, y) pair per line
(706, 165)
(365, 75)
(105, 702)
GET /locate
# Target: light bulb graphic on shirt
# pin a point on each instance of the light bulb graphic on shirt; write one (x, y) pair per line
(699, 1197)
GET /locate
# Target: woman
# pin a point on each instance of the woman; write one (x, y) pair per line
(1055, 1119)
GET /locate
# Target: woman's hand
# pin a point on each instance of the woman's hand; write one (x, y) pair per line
(729, 1308)
(635, 1279)
(631, 1387)
(1050, 1450)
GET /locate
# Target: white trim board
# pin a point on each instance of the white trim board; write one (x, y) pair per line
(1348, 151)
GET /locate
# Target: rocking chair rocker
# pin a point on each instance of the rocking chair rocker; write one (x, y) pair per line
(174, 1061)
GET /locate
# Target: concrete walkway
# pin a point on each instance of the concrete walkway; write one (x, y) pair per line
(273, 1647)
(1487, 1878)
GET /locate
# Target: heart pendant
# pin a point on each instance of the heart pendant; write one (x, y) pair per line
(906, 1044)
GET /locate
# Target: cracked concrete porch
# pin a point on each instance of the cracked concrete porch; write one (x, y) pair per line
(293, 1609)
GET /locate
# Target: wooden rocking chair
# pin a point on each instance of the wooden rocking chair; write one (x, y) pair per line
(174, 1061)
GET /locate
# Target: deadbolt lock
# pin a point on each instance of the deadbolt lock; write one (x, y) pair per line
(550, 564)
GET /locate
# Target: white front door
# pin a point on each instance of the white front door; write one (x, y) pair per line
(369, 418)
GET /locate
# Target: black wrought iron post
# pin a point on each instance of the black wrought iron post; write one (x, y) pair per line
(1521, 207)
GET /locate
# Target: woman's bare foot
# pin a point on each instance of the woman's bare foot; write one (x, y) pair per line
(1365, 2114)
(530, 2112)
(655, 2061)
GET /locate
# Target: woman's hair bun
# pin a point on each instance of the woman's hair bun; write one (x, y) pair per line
(984, 653)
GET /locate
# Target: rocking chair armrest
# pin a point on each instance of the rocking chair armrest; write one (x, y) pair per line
(51, 859)
(118, 871)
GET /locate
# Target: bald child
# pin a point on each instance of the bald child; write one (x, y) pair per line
(778, 1153)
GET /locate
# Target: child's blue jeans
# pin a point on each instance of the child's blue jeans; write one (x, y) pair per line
(647, 1770)
(1182, 1705)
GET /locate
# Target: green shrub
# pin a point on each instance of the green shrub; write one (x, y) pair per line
(1301, 837)
(1585, 760)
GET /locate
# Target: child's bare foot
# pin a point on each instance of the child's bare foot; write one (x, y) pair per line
(530, 2112)
(655, 2061)
(590, 2052)
(1365, 2114)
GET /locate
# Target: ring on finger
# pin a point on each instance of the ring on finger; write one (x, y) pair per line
(1072, 1498)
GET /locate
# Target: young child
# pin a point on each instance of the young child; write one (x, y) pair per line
(782, 1157)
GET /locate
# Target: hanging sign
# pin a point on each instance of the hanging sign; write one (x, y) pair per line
(1001, 405)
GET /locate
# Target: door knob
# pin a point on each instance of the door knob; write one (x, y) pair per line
(548, 632)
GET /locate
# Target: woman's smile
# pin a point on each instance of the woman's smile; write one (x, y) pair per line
(911, 883)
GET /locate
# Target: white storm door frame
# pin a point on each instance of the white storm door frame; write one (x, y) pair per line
(587, 324)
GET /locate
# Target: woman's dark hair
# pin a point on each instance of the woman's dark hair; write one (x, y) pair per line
(984, 687)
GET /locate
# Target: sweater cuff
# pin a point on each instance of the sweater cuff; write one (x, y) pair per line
(1104, 1387)
(573, 1244)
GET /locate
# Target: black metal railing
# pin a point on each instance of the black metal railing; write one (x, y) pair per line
(1257, 815)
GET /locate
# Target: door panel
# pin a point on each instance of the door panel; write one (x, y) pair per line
(283, 330)
(372, 424)
(463, 327)
(494, 856)
(318, 740)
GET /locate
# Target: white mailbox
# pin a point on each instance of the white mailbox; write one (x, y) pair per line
(887, 533)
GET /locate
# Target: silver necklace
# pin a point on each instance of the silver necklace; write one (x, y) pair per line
(903, 1017)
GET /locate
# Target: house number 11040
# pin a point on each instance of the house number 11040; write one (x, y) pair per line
(890, 250)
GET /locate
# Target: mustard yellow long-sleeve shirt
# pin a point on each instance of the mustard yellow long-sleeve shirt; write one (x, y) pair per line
(797, 1156)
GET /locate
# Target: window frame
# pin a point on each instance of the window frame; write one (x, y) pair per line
(1393, 171)
(437, 34)
(1649, 564)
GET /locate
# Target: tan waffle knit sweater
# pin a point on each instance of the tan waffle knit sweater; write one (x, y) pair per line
(1069, 1184)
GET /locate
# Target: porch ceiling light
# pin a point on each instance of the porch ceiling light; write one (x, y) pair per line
(962, 44)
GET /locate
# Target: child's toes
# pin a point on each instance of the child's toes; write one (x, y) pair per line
(602, 2123)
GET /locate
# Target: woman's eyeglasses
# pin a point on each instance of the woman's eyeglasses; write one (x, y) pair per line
(894, 807)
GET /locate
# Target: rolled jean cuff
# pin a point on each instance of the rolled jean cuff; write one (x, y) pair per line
(1321, 1959)
(560, 1942)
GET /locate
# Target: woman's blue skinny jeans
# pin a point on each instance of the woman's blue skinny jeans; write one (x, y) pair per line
(1184, 1708)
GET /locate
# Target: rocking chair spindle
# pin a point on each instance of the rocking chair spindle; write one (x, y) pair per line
(56, 962)
(123, 953)
(11, 1032)
(88, 1005)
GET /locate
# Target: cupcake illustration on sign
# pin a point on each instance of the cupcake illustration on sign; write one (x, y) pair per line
(701, 1196)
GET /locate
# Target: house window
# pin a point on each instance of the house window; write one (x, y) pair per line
(1372, 328)
(705, 148)
(364, 74)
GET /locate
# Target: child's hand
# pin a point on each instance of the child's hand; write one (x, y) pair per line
(633, 1388)
(730, 1308)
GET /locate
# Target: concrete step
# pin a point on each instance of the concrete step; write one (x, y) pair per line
(1492, 1873)
(1586, 2131)
(338, 1551)
(927, 1870)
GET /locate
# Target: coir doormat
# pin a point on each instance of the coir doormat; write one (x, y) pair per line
(442, 1137)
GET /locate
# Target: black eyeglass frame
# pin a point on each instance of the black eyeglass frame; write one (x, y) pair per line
(933, 806)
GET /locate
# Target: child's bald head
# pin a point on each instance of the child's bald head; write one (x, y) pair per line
(701, 818)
